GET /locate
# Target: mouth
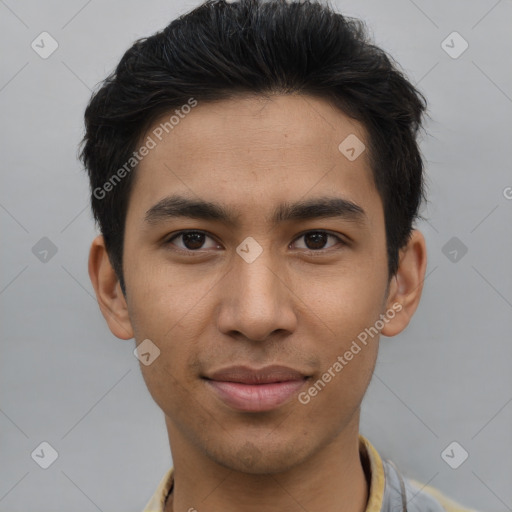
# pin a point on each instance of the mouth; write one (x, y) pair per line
(256, 390)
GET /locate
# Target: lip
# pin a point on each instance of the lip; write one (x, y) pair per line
(256, 390)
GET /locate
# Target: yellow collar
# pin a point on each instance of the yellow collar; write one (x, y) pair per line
(368, 453)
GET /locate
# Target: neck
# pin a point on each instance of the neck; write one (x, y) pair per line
(333, 480)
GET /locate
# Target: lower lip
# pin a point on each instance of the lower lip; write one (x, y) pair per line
(255, 397)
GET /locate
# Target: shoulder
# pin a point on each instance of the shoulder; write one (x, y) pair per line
(418, 489)
(408, 494)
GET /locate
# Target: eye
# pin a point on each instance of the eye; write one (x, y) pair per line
(191, 240)
(316, 240)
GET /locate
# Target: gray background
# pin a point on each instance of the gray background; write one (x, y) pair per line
(66, 380)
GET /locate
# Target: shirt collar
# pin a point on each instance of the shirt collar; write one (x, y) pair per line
(369, 455)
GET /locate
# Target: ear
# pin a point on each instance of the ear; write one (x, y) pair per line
(108, 291)
(406, 285)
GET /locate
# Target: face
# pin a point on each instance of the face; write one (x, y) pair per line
(243, 286)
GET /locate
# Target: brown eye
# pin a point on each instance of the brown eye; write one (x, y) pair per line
(316, 240)
(190, 240)
(193, 240)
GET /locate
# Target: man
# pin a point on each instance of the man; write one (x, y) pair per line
(255, 175)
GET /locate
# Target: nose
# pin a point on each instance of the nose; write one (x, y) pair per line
(256, 300)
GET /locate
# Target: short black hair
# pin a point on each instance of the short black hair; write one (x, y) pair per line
(221, 50)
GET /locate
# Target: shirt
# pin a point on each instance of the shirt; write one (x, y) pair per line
(386, 493)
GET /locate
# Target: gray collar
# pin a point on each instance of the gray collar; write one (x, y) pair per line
(400, 495)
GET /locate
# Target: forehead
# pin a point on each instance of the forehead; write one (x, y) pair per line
(246, 124)
(253, 150)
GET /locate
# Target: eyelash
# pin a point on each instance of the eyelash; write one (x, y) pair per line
(191, 252)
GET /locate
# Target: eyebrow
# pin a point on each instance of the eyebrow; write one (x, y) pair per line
(323, 207)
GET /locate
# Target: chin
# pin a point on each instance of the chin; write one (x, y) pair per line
(256, 458)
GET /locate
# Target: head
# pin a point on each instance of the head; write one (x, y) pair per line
(280, 131)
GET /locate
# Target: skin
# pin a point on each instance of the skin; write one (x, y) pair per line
(290, 306)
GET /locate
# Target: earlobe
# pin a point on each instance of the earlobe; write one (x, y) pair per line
(407, 285)
(110, 298)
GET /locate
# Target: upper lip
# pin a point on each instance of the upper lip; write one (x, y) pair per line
(265, 375)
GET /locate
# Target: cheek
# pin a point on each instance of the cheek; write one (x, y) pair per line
(347, 366)
(336, 395)
(345, 309)
(164, 295)
(346, 300)
(177, 394)
(173, 312)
